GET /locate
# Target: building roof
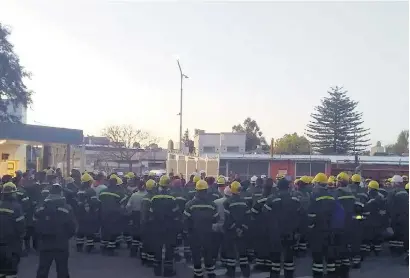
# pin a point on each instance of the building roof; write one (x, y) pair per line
(40, 134)
(402, 160)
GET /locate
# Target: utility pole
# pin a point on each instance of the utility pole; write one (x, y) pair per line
(180, 105)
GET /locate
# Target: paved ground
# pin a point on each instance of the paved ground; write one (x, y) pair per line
(97, 266)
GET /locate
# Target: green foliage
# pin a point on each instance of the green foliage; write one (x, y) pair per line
(336, 126)
(254, 136)
(13, 91)
(292, 144)
(402, 144)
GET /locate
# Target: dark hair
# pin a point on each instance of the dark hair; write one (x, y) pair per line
(283, 184)
(112, 182)
(210, 180)
(56, 189)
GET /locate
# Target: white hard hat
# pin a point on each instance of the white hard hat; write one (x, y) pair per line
(194, 174)
(202, 172)
(227, 191)
(263, 176)
(254, 178)
(396, 179)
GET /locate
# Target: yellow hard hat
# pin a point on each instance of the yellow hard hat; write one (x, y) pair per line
(86, 178)
(406, 186)
(201, 185)
(164, 180)
(130, 175)
(389, 180)
(279, 176)
(196, 178)
(221, 180)
(356, 178)
(113, 176)
(331, 179)
(296, 181)
(373, 185)
(235, 187)
(8, 187)
(119, 181)
(342, 176)
(305, 179)
(320, 178)
(150, 184)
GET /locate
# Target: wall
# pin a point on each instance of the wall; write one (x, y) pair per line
(284, 167)
(229, 139)
(17, 152)
(207, 140)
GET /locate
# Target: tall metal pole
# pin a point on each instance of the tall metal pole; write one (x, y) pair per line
(180, 106)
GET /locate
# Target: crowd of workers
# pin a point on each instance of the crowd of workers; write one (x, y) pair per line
(264, 221)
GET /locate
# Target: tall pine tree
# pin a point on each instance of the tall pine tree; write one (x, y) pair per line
(336, 126)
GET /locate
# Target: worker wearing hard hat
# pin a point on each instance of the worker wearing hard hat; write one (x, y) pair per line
(218, 227)
(303, 193)
(147, 251)
(258, 233)
(398, 204)
(181, 198)
(221, 183)
(200, 215)
(12, 230)
(283, 224)
(87, 215)
(255, 189)
(112, 202)
(164, 210)
(375, 211)
(213, 191)
(320, 215)
(357, 190)
(133, 207)
(236, 228)
(352, 231)
(54, 242)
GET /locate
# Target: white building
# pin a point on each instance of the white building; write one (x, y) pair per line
(224, 142)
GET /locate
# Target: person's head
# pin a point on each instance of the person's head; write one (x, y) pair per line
(397, 181)
(356, 179)
(259, 182)
(283, 185)
(331, 182)
(210, 180)
(164, 181)
(56, 189)
(196, 178)
(321, 179)
(227, 192)
(235, 188)
(342, 179)
(86, 180)
(407, 187)
(202, 174)
(304, 181)
(201, 188)
(112, 181)
(6, 179)
(177, 184)
(373, 185)
(191, 177)
(267, 187)
(100, 178)
(253, 180)
(150, 185)
(8, 191)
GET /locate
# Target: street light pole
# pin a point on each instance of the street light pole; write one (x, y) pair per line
(180, 105)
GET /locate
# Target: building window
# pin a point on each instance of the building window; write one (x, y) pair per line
(232, 149)
(209, 149)
(310, 168)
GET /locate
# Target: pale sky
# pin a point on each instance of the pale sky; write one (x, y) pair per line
(114, 63)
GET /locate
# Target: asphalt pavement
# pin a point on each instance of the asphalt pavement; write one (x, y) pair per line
(97, 266)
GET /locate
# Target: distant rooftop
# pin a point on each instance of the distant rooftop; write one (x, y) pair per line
(402, 160)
